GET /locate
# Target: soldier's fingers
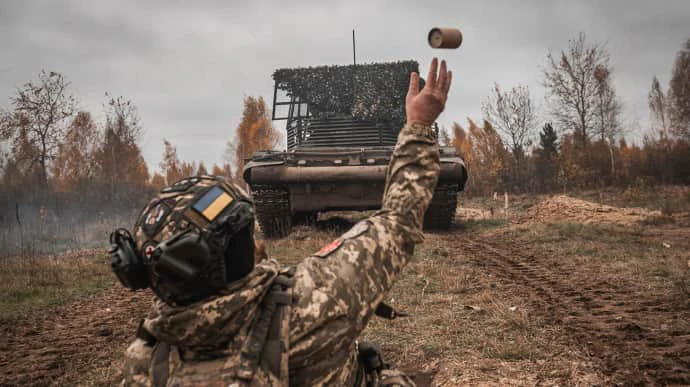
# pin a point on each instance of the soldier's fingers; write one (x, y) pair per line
(414, 85)
(431, 77)
(442, 76)
(449, 80)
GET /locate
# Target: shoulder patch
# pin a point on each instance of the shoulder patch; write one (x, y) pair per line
(356, 230)
(329, 248)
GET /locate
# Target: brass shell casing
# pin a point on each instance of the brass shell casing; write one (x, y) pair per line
(445, 38)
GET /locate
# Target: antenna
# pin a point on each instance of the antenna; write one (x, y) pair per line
(354, 55)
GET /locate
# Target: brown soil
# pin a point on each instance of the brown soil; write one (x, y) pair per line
(564, 208)
(62, 347)
(607, 329)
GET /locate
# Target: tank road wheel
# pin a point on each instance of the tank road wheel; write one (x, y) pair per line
(441, 211)
(272, 206)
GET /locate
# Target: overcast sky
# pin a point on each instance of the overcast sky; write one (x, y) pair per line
(188, 65)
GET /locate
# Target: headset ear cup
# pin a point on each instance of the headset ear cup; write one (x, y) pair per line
(126, 263)
(239, 256)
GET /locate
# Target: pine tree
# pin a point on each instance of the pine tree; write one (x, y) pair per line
(546, 158)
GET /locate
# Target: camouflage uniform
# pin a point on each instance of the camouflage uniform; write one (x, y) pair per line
(335, 293)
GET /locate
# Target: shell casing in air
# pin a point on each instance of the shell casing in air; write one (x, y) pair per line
(445, 38)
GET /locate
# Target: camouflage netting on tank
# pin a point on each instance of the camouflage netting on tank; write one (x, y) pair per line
(374, 92)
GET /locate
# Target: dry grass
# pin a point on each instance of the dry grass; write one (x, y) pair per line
(655, 256)
(466, 326)
(32, 283)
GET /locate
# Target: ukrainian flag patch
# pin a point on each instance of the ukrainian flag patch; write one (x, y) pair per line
(212, 203)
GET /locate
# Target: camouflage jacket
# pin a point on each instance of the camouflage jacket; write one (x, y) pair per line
(335, 292)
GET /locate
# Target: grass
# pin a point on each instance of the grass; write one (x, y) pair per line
(631, 254)
(467, 326)
(34, 283)
(479, 225)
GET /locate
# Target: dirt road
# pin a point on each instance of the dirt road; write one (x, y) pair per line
(638, 338)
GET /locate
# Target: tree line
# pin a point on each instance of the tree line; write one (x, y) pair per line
(582, 143)
(56, 161)
(56, 156)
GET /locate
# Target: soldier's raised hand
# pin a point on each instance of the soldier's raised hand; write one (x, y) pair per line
(424, 106)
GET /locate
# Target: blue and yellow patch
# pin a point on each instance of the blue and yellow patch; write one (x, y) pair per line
(212, 203)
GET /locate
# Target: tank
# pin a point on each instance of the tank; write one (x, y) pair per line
(341, 126)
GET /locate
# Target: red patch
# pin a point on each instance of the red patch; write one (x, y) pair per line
(148, 251)
(329, 248)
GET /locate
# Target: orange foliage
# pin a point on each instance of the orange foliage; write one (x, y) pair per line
(485, 156)
(72, 168)
(255, 132)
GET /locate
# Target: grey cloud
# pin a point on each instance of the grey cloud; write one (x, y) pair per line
(188, 65)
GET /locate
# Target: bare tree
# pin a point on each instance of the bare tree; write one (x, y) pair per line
(679, 93)
(607, 110)
(38, 119)
(513, 114)
(122, 117)
(573, 89)
(608, 106)
(658, 108)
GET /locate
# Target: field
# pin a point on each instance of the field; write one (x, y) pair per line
(587, 289)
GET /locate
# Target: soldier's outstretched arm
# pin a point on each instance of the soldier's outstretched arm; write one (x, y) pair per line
(338, 288)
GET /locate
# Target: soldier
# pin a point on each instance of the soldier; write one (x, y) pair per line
(220, 319)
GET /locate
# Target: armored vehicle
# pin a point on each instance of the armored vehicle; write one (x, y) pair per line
(341, 124)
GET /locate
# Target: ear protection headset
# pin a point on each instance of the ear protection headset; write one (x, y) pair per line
(127, 265)
(191, 264)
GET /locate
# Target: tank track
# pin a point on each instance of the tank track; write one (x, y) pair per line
(441, 211)
(272, 204)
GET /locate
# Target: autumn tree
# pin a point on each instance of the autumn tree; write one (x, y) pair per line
(255, 132)
(485, 156)
(224, 170)
(201, 169)
(21, 168)
(679, 93)
(121, 166)
(462, 142)
(513, 114)
(574, 82)
(72, 169)
(170, 165)
(157, 181)
(37, 121)
(188, 169)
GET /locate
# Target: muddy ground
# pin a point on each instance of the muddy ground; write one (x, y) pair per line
(550, 296)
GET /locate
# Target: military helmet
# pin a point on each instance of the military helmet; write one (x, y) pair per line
(192, 239)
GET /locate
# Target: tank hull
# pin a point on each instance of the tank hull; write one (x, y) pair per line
(331, 179)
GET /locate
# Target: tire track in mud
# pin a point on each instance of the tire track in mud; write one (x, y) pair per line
(638, 338)
(61, 346)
